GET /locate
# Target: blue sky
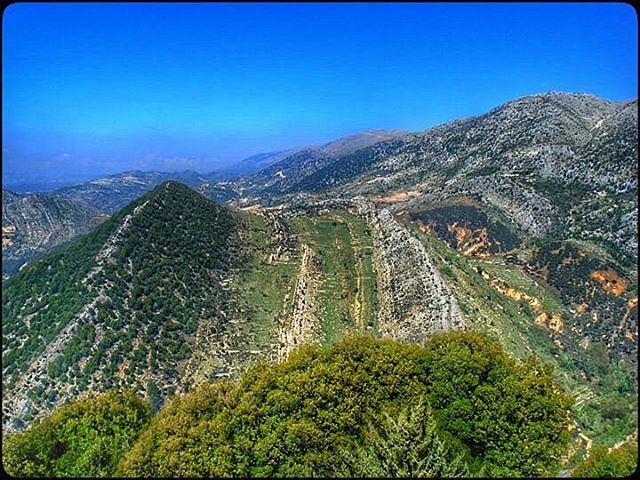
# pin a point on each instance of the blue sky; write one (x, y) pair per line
(90, 89)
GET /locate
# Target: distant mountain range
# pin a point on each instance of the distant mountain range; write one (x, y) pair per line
(68, 215)
(109, 194)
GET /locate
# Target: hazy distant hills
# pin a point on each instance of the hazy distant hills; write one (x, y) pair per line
(285, 169)
(258, 162)
(108, 194)
(111, 193)
(34, 224)
(262, 161)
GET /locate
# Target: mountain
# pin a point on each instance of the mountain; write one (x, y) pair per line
(520, 224)
(174, 290)
(256, 163)
(281, 169)
(345, 145)
(547, 162)
(551, 178)
(121, 303)
(529, 212)
(109, 194)
(34, 224)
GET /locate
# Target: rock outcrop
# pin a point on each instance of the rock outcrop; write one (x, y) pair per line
(415, 301)
(34, 224)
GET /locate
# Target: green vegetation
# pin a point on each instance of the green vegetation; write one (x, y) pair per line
(83, 439)
(347, 295)
(606, 407)
(620, 462)
(406, 446)
(262, 284)
(612, 414)
(192, 291)
(50, 288)
(160, 278)
(508, 320)
(255, 294)
(296, 418)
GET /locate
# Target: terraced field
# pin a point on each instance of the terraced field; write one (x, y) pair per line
(346, 294)
(304, 279)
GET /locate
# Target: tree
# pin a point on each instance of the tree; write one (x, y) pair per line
(155, 397)
(86, 438)
(620, 462)
(405, 446)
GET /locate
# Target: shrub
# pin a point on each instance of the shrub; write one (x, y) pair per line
(83, 439)
(621, 462)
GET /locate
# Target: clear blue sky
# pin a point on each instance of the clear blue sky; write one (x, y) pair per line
(91, 89)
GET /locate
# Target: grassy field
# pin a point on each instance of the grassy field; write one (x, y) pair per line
(346, 301)
(261, 288)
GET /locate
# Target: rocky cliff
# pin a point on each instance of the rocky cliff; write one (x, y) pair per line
(34, 224)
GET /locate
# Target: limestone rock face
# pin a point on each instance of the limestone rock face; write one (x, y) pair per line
(415, 301)
(34, 224)
(555, 163)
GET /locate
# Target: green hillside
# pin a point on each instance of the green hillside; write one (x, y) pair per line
(121, 306)
(175, 292)
(322, 412)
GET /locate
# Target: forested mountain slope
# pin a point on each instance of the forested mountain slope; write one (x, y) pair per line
(122, 304)
(175, 291)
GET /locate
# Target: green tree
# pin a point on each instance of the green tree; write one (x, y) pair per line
(297, 418)
(621, 462)
(404, 446)
(86, 438)
(155, 397)
(513, 416)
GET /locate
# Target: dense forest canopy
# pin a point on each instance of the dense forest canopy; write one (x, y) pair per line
(323, 412)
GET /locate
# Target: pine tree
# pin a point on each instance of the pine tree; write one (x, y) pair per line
(406, 446)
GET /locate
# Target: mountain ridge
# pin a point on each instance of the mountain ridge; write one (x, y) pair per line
(520, 223)
(34, 224)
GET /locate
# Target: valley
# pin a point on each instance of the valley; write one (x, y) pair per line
(519, 225)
